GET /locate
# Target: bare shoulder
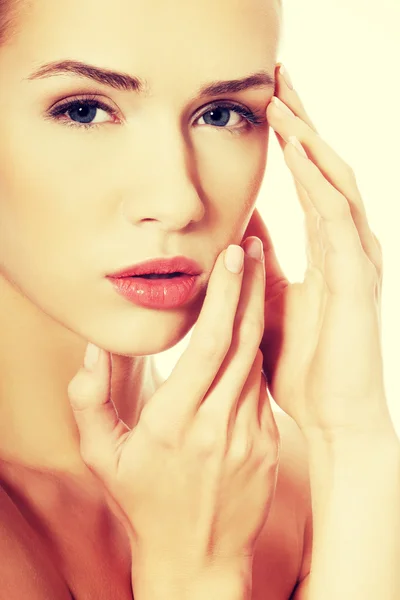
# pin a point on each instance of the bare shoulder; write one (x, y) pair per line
(25, 570)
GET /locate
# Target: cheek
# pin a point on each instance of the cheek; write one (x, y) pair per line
(232, 173)
(31, 206)
(44, 190)
(41, 220)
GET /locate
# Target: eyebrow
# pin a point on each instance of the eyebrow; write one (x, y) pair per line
(125, 82)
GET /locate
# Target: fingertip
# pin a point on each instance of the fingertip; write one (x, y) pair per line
(92, 355)
(234, 258)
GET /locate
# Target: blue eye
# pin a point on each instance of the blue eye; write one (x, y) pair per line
(84, 111)
(220, 111)
(84, 108)
(81, 112)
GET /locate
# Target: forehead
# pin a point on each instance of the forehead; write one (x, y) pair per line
(150, 37)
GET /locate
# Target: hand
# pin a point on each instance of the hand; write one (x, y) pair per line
(322, 340)
(196, 477)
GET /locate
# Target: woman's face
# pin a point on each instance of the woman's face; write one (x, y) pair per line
(86, 192)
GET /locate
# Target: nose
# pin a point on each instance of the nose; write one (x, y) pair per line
(165, 187)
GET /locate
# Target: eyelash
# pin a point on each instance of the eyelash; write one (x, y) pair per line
(253, 118)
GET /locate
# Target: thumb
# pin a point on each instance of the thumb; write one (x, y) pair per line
(101, 431)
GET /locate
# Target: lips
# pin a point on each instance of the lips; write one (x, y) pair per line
(159, 276)
(168, 267)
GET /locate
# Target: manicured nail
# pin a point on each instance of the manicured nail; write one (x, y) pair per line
(282, 106)
(295, 142)
(286, 77)
(91, 356)
(254, 248)
(234, 258)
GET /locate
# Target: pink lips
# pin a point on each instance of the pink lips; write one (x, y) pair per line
(177, 264)
(162, 293)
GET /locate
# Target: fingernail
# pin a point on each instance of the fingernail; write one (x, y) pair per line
(282, 106)
(234, 258)
(254, 248)
(91, 356)
(286, 77)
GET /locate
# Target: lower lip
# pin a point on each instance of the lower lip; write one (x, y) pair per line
(157, 293)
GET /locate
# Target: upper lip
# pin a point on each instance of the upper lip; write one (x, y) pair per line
(176, 264)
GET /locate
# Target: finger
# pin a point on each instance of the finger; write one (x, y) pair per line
(332, 166)
(291, 97)
(346, 265)
(254, 413)
(220, 403)
(246, 419)
(100, 429)
(257, 227)
(314, 246)
(293, 101)
(179, 396)
(245, 427)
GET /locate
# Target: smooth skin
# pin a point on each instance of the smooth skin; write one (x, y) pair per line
(207, 441)
(48, 200)
(331, 384)
(322, 341)
(78, 203)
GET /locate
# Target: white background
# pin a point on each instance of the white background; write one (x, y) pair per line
(343, 57)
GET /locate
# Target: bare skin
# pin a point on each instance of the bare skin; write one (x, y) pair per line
(68, 220)
(77, 543)
(77, 204)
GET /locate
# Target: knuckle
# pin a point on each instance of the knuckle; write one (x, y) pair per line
(82, 390)
(159, 432)
(205, 440)
(269, 451)
(89, 453)
(251, 330)
(265, 458)
(241, 449)
(213, 347)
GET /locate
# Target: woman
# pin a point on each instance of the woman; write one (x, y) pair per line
(100, 171)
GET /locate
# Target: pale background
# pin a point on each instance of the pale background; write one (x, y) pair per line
(343, 57)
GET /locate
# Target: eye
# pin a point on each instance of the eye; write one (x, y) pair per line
(219, 116)
(82, 112)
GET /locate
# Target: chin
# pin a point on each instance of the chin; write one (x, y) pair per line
(153, 334)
